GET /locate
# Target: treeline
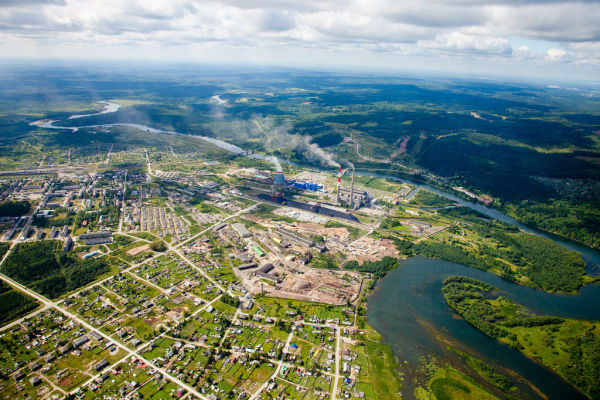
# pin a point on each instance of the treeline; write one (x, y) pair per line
(465, 296)
(579, 221)
(230, 300)
(46, 268)
(13, 304)
(376, 268)
(547, 265)
(14, 208)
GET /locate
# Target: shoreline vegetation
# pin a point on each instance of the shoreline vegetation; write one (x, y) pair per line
(493, 246)
(570, 347)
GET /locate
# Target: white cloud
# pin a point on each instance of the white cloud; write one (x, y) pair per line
(460, 42)
(455, 28)
(556, 55)
(524, 52)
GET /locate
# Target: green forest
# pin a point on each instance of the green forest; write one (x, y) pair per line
(44, 267)
(14, 208)
(13, 303)
(515, 256)
(576, 220)
(570, 347)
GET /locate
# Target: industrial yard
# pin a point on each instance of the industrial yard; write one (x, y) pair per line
(186, 260)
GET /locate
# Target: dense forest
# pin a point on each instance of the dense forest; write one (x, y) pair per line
(13, 303)
(14, 208)
(46, 268)
(545, 264)
(576, 219)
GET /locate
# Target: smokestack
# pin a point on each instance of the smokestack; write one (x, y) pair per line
(338, 185)
(352, 189)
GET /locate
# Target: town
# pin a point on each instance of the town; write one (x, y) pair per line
(195, 279)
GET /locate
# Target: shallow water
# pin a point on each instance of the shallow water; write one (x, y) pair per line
(409, 300)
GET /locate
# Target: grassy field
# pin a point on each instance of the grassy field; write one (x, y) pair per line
(570, 347)
(451, 384)
(477, 241)
(378, 366)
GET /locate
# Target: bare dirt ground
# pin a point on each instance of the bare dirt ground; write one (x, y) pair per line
(137, 250)
(340, 234)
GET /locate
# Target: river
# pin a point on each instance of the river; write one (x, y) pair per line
(589, 255)
(409, 299)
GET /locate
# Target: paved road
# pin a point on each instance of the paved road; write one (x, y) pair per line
(90, 328)
(337, 364)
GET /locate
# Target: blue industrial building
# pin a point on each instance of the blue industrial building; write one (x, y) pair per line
(304, 185)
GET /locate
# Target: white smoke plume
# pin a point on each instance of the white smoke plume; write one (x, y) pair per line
(275, 136)
(278, 137)
(276, 163)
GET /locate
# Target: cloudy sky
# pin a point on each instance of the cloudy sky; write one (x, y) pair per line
(513, 37)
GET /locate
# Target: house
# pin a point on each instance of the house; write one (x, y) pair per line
(80, 341)
(35, 380)
(101, 365)
(64, 349)
(34, 366)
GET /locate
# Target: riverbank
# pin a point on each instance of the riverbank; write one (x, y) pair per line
(570, 347)
(409, 301)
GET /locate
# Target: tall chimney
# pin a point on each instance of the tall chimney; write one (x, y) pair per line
(338, 185)
(352, 189)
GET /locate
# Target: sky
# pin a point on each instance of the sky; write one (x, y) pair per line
(537, 38)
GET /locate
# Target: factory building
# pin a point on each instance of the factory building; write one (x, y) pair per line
(264, 273)
(358, 198)
(247, 266)
(305, 185)
(241, 230)
(294, 237)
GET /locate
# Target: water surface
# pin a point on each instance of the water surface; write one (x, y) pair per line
(409, 300)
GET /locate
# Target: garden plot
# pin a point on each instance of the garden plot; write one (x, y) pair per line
(131, 379)
(253, 342)
(232, 375)
(302, 310)
(55, 352)
(220, 270)
(206, 327)
(171, 273)
(94, 305)
(140, 316)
